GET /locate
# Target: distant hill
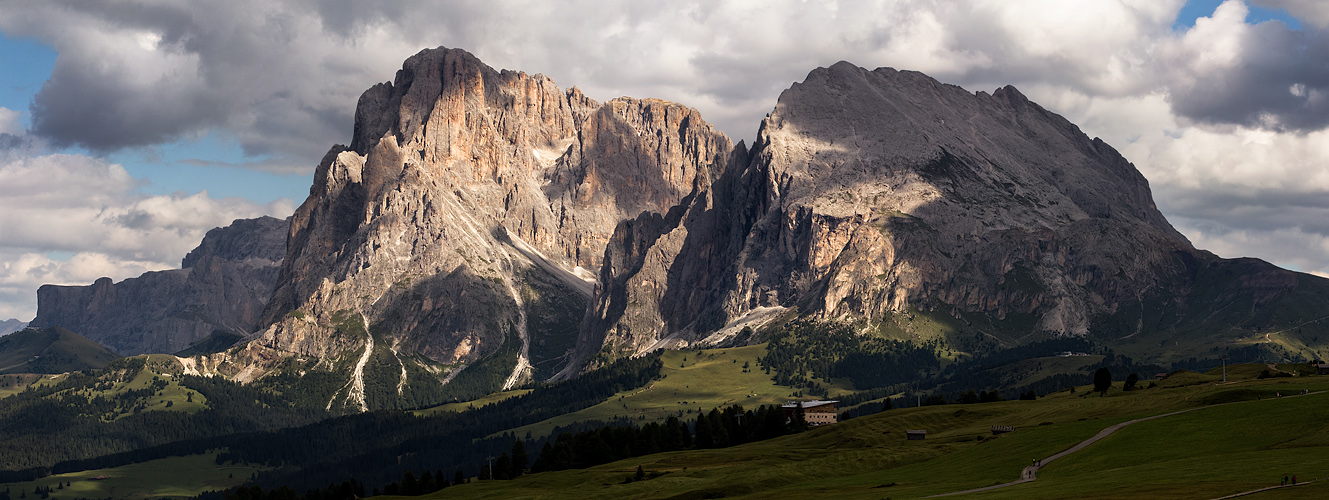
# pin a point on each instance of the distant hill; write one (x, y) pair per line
(11, 325)
(219, 341)
(51, 350)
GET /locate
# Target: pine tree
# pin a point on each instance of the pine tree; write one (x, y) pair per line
(409, 485)
(503, 467)
(519, 459)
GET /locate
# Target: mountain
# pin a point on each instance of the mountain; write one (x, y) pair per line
(51, 350)
(11, 325)
(486, 228)
(458, 234)
(888, 199)
(222, 285)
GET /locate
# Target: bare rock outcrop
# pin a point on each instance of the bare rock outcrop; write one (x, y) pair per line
(875, 196)
(223, 285)
(469, 213)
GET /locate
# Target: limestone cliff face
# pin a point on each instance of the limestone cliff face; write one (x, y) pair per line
(470, 212)
(872, 196)
(223, 285)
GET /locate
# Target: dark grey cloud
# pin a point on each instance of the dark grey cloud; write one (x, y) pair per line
(1237, 208)
(11, 141)
(133, 74)
(85, 104)
(1278, 80)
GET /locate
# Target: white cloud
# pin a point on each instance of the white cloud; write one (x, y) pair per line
(1225, 118)
(61, 205)
(9, 121)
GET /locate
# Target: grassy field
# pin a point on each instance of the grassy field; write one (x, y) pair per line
(690, 381)
(1206, 453)
(174, 477)
(476, 403)
(173, 397)
(11, 384)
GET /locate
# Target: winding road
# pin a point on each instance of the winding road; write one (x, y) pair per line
(1030, 473)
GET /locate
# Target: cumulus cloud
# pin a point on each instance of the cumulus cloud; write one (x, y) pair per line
(9, 122)
(1266, 75)
(70, 219)
(1227, 118)
(283, 77)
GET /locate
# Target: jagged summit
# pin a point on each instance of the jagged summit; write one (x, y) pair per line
(465, 223)
(485, 228)
(876, 196)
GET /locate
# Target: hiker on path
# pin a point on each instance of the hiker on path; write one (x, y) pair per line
(1284, 483)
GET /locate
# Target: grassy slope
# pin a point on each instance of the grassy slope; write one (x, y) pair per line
(690, 380)
(167, 477)
(1201, 454)
(162, 366)
(476, 403)
(11, 384)
(51, 350)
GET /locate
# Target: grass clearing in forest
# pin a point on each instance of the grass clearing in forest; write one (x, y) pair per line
(690, 380)
(1205, 453)
(174, 477)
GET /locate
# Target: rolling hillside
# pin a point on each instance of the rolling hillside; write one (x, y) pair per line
(51, 350)
(1240, 437)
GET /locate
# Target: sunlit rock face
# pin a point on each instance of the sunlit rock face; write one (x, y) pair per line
(872, 196)
(471, 211)
(488, 224)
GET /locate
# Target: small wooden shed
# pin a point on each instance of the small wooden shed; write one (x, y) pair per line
(917, 435)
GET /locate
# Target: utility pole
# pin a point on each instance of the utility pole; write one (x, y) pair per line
(1224, 358)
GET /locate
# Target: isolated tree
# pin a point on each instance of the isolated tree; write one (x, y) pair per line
(886, 404)
(1102, 381)
(1131, 380)
(641, 474)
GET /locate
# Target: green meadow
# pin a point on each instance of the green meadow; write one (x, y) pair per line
(1241, 437)
(690, 381)
(175, 477)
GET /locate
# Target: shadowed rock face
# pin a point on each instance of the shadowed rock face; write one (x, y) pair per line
(870, 194)
(468, 199)
(224, 285)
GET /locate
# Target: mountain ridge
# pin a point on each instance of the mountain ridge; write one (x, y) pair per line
(222, 285)
(486, 228)
(874, 195)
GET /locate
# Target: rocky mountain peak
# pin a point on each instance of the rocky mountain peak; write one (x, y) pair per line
(875, 196)
(486, 227)
(263, 239)
(469, 216)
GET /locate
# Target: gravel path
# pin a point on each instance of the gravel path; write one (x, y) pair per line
(1030, 473)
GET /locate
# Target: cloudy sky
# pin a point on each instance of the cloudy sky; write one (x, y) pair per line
(130, 127)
